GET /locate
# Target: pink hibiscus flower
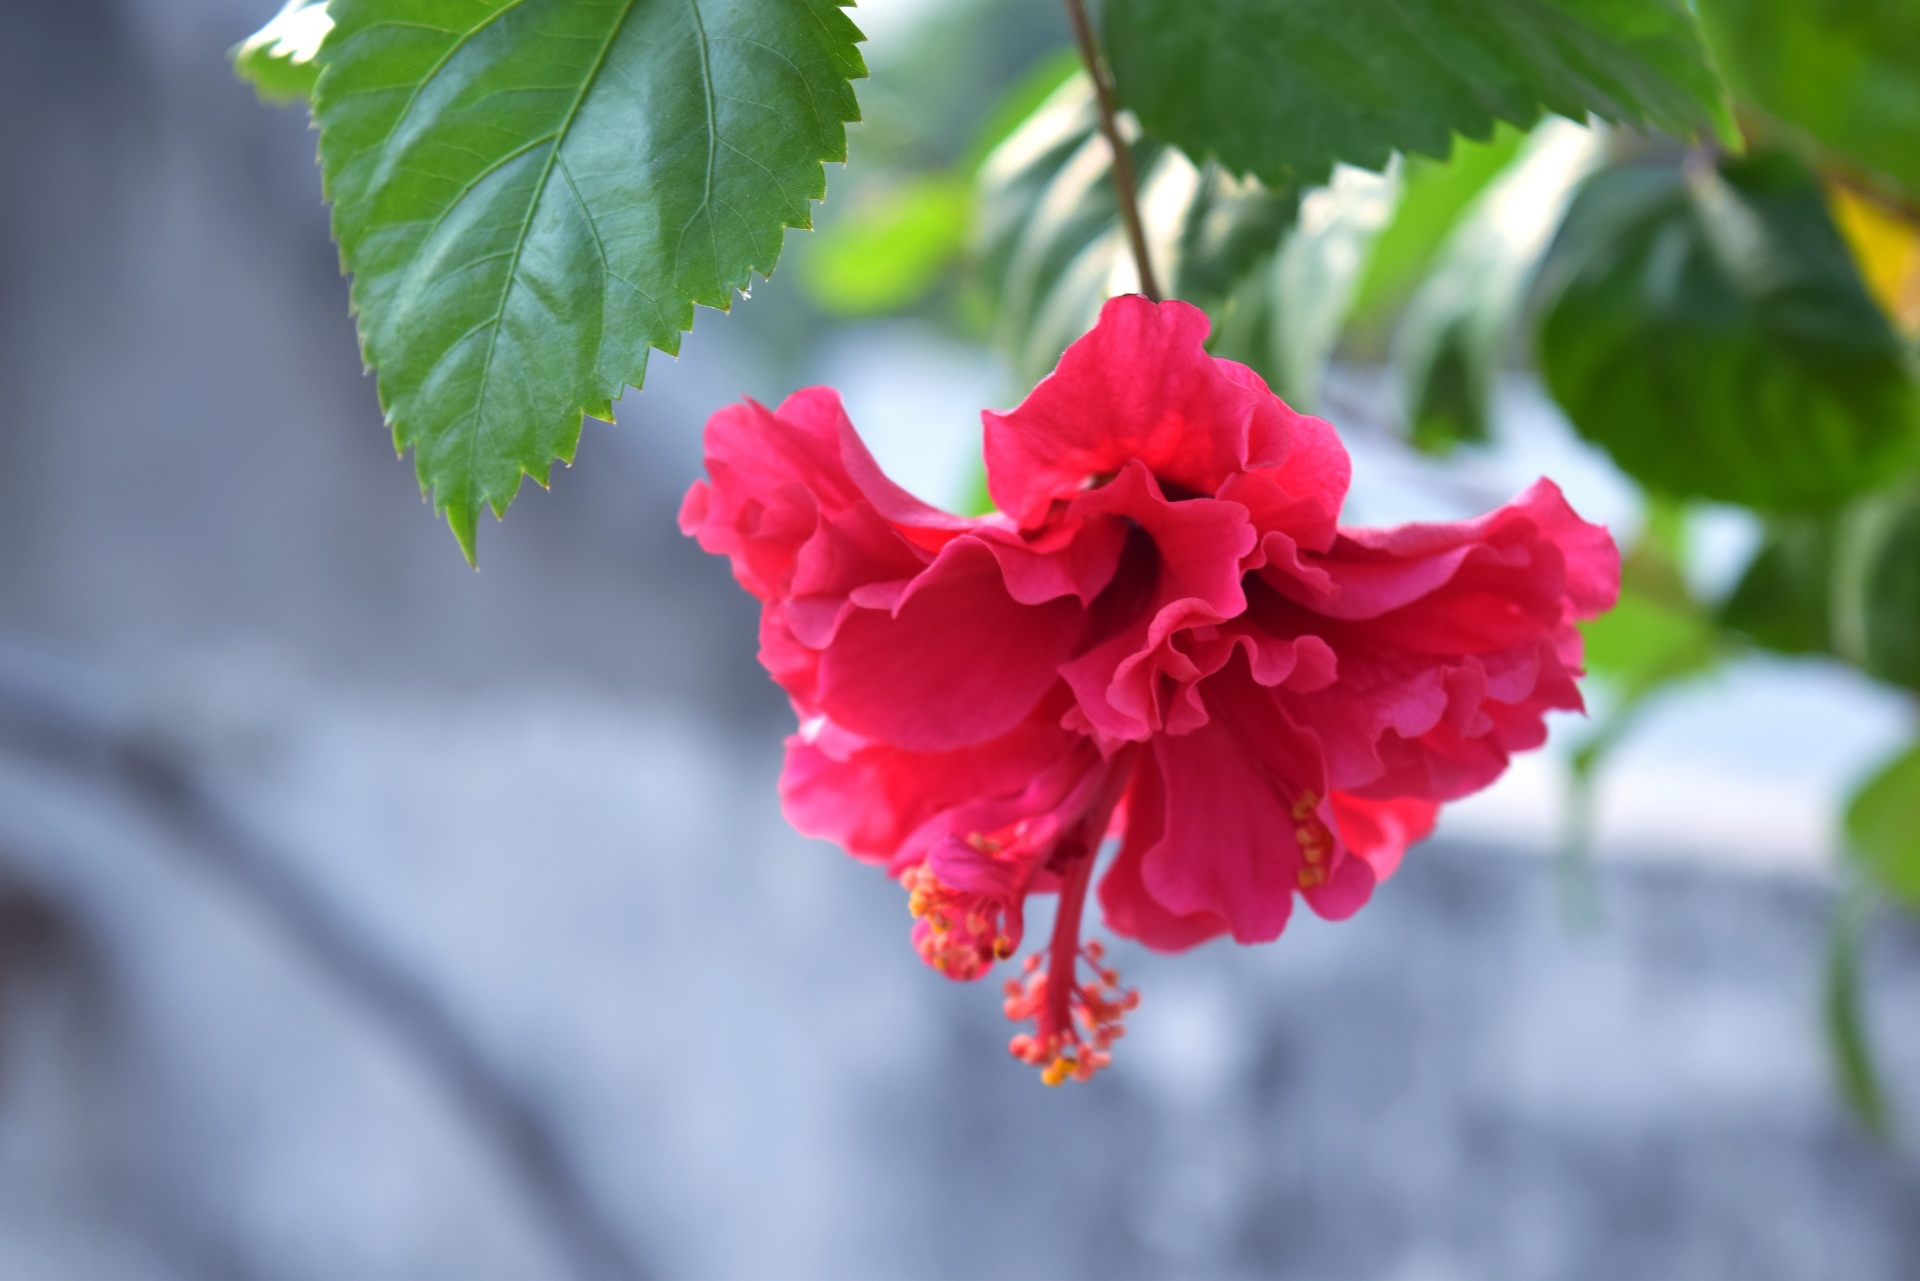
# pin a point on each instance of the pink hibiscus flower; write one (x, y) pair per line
(1162, 637)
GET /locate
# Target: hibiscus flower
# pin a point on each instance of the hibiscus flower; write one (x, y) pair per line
(1163, 641)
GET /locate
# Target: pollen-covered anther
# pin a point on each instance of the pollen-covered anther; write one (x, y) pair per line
(1316, 842)
(960, 934)
(1097, 1007)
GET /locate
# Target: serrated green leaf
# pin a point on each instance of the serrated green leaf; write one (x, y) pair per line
(1876, 588)
(1846, 71)
(1049, 246)
(1285, 320)
(1457, 329)
(1783, 599)
(1710, 330)
(1285, 89)
(279, 59)
(532, 193)
(1883, 828)
(1855, 1071)
(889, 248)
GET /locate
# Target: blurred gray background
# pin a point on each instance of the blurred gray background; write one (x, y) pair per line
(365, 916)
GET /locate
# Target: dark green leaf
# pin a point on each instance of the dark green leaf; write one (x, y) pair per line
(1883, 828)
(1783, 600)
(1876, 596)
(1847, 71)
(1852, 1053)
(1711, 331)
(1456, 332)
(1287, 88)
(531, 193)
(278, 60)
(889, 248)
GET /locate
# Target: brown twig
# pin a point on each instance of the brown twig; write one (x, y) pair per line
(1124, 188)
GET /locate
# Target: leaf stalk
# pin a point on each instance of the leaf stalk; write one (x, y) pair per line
(1124, 188)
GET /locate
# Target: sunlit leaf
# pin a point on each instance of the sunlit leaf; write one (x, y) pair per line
(1883, 828)
(1847, 71)
(1285, 89)
(1434, 193)
(1886, 244)
(1285, 319)
(279, 59)
(889, 248)
(1048, 241)
(532, 193)
(1456, 332)
(1709, 329)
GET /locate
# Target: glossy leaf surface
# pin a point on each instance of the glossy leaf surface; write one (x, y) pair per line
(532, 193)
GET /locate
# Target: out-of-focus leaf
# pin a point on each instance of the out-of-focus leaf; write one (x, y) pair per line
(1286, 317)
(1048, 239)
(1456, 332)
(890, 248)
(532, 193)
(1883, 828)
(1876, 594)
(1783, 601)
(1021, 101)
(1285, 89)
(1846, 71)
(278, 60)
(1645, 642)
(1886, 245)
(1710, 330)
(1854, 1069)
(1433, 195)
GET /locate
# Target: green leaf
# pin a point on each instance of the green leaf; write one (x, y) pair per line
(1883, 828)
(889, 248)
(1710, 330)
(1434, 194)
(1049, 246)
(1876, 592)
(1285, 320)
(278, 60)
(1456, 332)
(1852, 1053)
(531, 193)
(1284, 89)
(1644, 643)
(1783, 600)
(1846, 71)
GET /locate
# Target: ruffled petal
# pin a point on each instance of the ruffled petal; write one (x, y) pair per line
(956, 661)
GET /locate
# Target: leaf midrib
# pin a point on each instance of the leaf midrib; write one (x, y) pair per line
(520, 237)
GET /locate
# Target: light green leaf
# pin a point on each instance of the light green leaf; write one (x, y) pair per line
(531, 193)
(1456, 332)
(1854, 1069)
(1847, 71)
(1285, 89)
(889, 247)
(1883, 828)
(1710, 330)
(278, 60)
(1434, 194)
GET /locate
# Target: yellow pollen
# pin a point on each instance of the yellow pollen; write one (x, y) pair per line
(1311, 877)
(1305, 806)
(983, 844)
(1057, 1071)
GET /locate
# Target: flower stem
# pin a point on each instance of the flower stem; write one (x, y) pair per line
(1123, 185)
